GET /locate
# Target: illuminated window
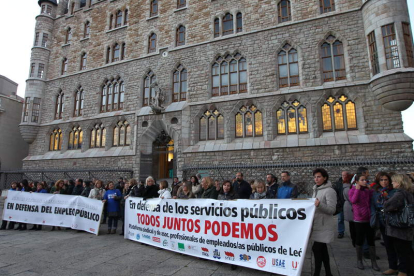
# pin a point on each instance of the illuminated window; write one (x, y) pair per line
(249, 122)
(326, 5)
(339, 114)
(390, 46)
(180, 36)
(333, 62)
(79, 98)
(228, 24)
(180, 84)
(60, 106)
(75, 138)
(122, 134)
(112, 96)
(55, 142)
(288, 67)
(154, 8)
(373, 53)
(98, 136)
(211, 126)
(408, 41)
(229, 75)
(292, 118)
(284, 11)
(152, 43)
(149, 92)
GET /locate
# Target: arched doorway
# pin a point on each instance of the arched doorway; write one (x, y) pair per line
(163, 156)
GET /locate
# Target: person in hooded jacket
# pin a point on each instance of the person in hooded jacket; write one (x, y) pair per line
(323, 228)
(401, 238)
(360, 195)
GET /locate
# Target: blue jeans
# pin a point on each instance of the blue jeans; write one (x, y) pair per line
(341, 224)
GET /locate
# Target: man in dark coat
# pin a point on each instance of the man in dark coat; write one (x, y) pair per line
(271, 180)
(175, 186)
(241, 187)
(78, 187)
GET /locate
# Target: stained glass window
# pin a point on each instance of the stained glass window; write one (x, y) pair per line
(211, 126)
(339, 114)
(98, 136)
(122, 134)
(292, 118)
(249, 122)
(55, 140)
(239, 125)
(75, 138)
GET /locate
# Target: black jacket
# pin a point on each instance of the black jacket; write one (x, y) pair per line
(272, 191)
(77, 190)
(86, 192)
(137, 191)
(242, 189)
(210, 193)
(150, 192)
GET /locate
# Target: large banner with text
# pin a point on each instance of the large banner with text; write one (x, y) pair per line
(76, 212)
(269, 235)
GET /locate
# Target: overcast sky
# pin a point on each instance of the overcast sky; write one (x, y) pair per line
(17, 35)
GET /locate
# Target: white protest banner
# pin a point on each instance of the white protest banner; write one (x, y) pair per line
(76, 212)
(269, 234)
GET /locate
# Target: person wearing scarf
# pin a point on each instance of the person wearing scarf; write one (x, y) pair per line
(97, 192)
(260, 190)
(164, 192)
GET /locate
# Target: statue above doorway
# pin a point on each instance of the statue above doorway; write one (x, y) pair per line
(158, 99)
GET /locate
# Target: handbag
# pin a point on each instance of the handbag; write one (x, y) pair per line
(403, 218)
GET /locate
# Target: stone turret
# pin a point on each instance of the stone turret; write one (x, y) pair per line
(39, 61)
(389, 38)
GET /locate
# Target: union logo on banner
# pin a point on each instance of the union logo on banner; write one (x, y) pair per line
(261, 261)
(294, 265)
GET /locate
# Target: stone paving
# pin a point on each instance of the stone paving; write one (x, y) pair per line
(69, 252)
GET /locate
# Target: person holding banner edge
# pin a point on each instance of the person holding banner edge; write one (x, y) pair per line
(112, 197)
(323, 225)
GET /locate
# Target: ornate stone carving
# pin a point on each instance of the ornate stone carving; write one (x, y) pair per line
(158, 99)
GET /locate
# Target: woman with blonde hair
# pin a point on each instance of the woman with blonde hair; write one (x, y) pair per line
(97, 192)
(401, 238)
(260, 190)
(59, 188)
(185, 192)
(151, 189)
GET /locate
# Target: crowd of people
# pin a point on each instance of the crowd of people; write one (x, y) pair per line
(353, 198)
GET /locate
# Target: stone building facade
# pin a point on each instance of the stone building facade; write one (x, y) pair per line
(175, 87)
(12, 147)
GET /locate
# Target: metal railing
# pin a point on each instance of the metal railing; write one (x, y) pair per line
(7, 177)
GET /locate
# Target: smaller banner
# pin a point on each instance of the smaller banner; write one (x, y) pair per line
(76, 212)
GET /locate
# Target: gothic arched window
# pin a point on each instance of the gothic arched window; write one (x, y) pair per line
(249, 122)
(84, 58)
(154, 8)
(292, 118)
(326, 5)
(211, 126)
(64, 66)
(55, 142)
(68, 37)
(112, 95)
(98, 136)
(181, 4)
(79, 98)
(152, 43)
(228, 24)
(284, 11)
(180, 84)
(60, 105)
(288, 67)
(122, 134)
(333, 62)
(149, 92)
(75, 138)
(339, 114)
(118, 19)
(180, 36)
(229, 75)
(87, 29)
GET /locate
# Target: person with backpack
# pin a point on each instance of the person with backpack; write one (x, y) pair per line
(323, 224)
(360, 196)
